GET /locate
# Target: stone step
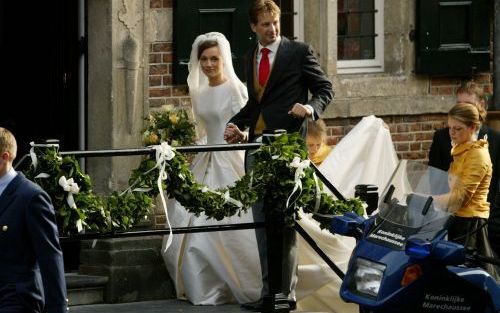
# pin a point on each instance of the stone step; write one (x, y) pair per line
(85, 289)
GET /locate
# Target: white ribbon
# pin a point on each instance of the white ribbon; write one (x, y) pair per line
(72, 189)
(228, 198)
(164, 153)
(34, 159)
(299, 173)
(318, 193)
(225, 195)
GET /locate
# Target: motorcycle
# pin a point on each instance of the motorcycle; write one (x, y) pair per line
(402, 261)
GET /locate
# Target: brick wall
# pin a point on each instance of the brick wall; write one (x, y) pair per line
(161, 55)
(449, 85)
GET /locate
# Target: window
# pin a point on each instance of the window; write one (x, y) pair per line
(453, 37)
(292, 18)
(360, 36)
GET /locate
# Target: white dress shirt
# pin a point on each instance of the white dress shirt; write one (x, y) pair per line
(6, 179)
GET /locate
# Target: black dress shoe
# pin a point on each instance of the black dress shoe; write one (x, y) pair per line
(253, 306)
(292, 304)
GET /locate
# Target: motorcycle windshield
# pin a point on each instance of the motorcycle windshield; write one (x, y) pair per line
(417, 202)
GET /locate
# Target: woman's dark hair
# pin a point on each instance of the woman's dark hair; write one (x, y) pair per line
(205, 45)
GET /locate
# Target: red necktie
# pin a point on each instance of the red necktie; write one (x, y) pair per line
(264, 66)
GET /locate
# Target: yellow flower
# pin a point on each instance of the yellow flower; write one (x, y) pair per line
(173, 118)
(153, 139)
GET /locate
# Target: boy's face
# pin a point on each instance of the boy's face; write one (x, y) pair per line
(313, 144)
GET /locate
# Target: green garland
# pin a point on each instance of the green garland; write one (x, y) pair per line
(272, 170)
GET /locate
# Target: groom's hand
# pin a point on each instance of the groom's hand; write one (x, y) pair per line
(232, 134)
(300, 111)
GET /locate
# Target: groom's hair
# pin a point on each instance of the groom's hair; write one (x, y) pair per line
(205, 45)
(8, 143)
(261, 6)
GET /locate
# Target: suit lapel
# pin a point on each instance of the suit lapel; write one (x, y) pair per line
(482, 131)
(279, 65)
(9, 193)
(251, 73)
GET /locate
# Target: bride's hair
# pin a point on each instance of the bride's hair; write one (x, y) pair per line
(204, 45)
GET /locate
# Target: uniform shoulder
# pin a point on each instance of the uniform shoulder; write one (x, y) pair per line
(27, 186)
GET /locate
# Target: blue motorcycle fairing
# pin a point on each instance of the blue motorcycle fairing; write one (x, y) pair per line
(391, 280)
(481, 279)
(439, 289)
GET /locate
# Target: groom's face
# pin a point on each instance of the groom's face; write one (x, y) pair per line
(267, 28)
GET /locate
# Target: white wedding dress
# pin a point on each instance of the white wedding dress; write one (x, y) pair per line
(220, 267)
(214, 267)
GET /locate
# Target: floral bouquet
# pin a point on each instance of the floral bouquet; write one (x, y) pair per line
(169, 125)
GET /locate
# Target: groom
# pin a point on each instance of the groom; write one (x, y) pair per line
(279, 73)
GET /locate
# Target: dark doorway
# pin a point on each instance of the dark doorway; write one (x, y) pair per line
(39, 52)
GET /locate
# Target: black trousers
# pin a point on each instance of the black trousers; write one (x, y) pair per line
(289, 262)
(472, 233)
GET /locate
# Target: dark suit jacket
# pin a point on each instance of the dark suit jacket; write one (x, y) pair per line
(295, 72)
(440, 153)
(30, 255)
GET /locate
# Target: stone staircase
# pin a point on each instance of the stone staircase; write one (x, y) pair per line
(85, 289)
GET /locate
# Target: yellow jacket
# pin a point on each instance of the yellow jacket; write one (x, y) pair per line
(472, 166)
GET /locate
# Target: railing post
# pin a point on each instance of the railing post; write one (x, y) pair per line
(276, 300)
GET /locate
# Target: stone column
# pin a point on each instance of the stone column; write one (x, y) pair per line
(115, 94)
(320, 32)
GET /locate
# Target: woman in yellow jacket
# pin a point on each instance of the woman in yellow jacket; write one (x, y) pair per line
(472, 167)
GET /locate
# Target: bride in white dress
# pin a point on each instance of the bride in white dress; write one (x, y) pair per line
(214, 267)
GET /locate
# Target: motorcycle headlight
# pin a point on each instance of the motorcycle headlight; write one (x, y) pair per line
(368, 276)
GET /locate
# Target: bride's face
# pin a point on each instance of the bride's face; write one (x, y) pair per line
(211, 63)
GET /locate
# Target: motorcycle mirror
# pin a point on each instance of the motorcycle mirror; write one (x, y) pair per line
(388, 195)
(418, 248)
(427, 205)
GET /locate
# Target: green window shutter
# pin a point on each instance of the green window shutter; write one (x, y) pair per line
(195, 17)
(452, 37)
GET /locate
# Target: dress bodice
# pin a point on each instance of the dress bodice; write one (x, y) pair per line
(214, 107)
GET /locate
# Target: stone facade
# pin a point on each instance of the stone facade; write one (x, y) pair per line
(407, 102)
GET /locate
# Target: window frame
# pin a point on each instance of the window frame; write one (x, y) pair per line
(375, 65)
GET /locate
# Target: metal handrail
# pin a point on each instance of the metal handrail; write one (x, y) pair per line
(193, 229)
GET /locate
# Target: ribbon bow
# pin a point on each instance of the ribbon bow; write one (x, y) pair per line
(71, 188)
(300, 166)
(164, 153)
(34, 159)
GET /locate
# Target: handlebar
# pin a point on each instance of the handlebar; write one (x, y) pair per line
(482, 258)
